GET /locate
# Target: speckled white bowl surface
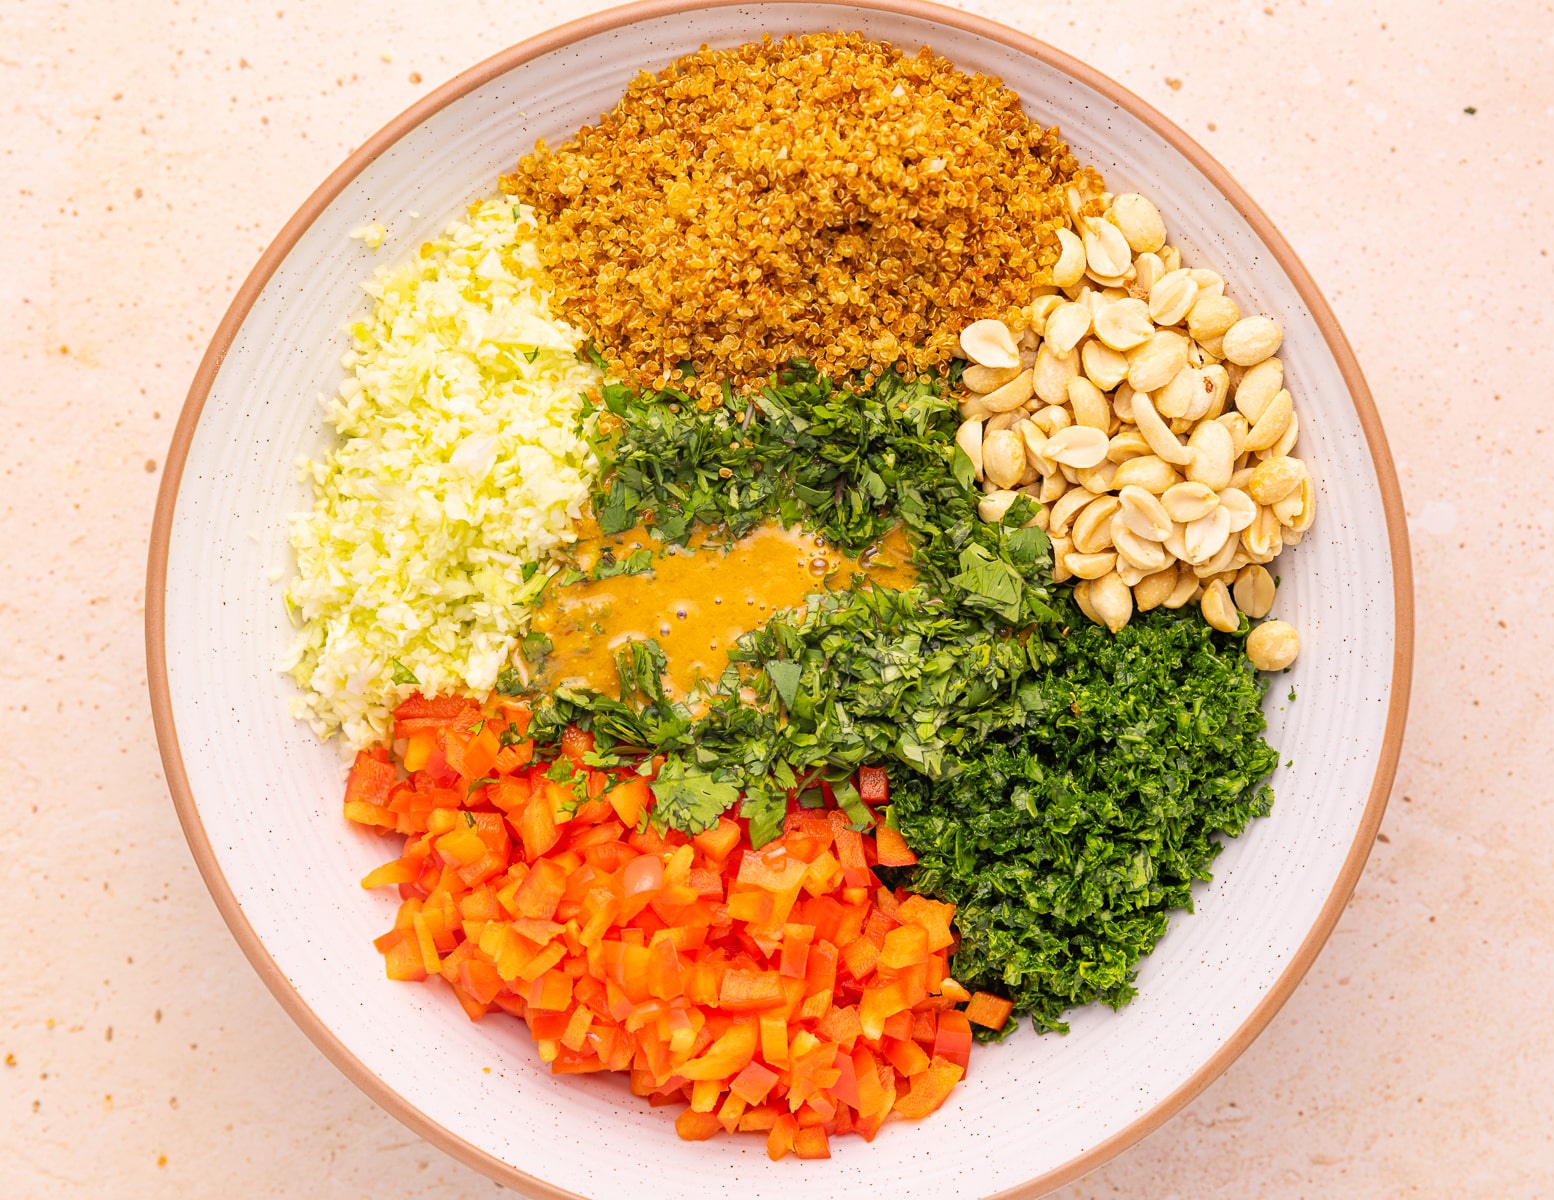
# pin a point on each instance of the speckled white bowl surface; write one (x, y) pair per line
(262, 799)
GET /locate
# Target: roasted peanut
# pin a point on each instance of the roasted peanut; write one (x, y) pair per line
(1153, 364)
(987, 379)
(1070, 267)
(1172, 297)
(1252, 339)
(1273, 645)
(1067, 326)
(1218, 611)
(1254, 590)
(1151, 591)
(1090, 566)
(1111, 601)
(1104, 366)
(969, 439)
(1148, 471)
(1140, 222)
(1271, 423)
(1003, 458)
(989, 343)
(1143, 513)
(1010, 395)
(1213, 455)
(1185, 502)
(1211, 317)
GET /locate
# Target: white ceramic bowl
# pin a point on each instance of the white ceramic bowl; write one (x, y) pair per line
(259, 796)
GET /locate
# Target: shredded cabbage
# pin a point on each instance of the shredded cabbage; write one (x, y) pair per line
(463, 455)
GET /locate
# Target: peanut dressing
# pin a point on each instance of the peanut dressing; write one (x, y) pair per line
(697, 600)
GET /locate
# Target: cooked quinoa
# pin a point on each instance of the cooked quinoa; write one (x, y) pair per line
(825, 197)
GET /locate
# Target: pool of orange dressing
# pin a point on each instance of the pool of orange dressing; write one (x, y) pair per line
(697, 600)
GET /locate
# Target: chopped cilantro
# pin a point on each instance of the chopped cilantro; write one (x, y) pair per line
(402, 673)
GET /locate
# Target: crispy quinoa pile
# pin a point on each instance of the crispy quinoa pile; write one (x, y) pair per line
(825, 197)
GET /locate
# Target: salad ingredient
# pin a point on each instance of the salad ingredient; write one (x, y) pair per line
(825, 197)
(1273, 645)
(783, 992)
(460, 457)
(1114, 386)
(694, 601)
(1066, 838)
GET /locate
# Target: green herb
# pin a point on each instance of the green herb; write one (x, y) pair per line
(1292, 694)
(1066, 837)
(402, 673)
(688, 798)
(474, 730)
(509, 682)
(469, 817)
(1470, 110)
(510, 736)
(535, 646)
(533, 354)
(479, 783)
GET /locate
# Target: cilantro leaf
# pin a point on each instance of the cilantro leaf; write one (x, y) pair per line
(402, 673)
(688, 798)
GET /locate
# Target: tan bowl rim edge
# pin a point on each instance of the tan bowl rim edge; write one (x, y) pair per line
(504, 61)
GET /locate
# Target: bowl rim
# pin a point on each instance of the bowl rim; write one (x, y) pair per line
(558, 38)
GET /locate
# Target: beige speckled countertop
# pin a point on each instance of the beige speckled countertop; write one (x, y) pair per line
(149, 152)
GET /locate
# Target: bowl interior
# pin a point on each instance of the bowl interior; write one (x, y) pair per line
(268, 792)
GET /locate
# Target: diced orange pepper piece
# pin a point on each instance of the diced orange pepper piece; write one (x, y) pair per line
(929, 1089)
(988, 1010)
(751, 991)
(780, 1140)
(696, 1126)
(811, 1143)
(891, 848)
(726, 1056)
(952, 1040)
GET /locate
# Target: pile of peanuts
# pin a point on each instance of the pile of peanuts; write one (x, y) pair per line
(1150, 420)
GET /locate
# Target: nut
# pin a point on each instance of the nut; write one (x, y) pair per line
(1089, 404)
(1252, 339)
(1206, 537)
(1273, 645)
(1104, 366)
(1213, 455)
(1172, 297)
(1218, 611)
(1090, 566)
(1065, 509)
(1186, 588)
(1092, 527)
(1067, 326)
(1152, 365)
(1185, 502)
(1274, 479)
(1151, 591)
(969, 438)
(1261, 539)
(1295, 511)
(1003, 458)
(1140, 222)
(1254, 591)
(1078, 446)
(1052, 418)
(1081, 595)
(1211, 317)
(1011, 395)
(1141, 553)
(1107, 254)
(992, 507)
(1125, 445)
(1286, 441)
(1259, 385)
(1159, 436)
(1148, 471)
(1111, 601)
(1271, 423)
(987, 379)
(1143, 513)
(1050, 375)
(1070, 267)
(1147, 268)
(1123, 324)
(988, 343)
(1241, 507)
